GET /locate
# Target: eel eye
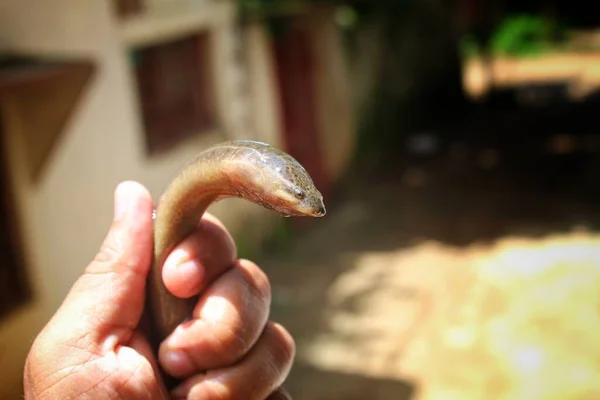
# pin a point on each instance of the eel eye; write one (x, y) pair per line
(299, 193)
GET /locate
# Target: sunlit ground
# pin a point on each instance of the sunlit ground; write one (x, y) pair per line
(517, 320)
(513, 319)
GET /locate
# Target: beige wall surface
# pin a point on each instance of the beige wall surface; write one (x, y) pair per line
(66, 214)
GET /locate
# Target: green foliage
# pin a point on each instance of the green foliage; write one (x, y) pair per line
(244, 248)
(522, 35)
(280, 236)
(277, 240)
(346, 17)
(518, 35)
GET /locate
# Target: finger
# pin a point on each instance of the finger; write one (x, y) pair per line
(228, 320)
(254, 378)
(140, 366)
(108, 298)
(199, 259)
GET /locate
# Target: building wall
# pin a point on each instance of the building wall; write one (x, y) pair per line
(66, 215)
(262, 84)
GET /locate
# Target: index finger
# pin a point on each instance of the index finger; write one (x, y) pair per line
(200, 259)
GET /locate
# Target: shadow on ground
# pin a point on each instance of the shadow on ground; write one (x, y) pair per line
(346, 386)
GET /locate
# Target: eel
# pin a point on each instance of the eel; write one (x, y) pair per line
(251, 170)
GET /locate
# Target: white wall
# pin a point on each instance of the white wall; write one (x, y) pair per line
(66, 215)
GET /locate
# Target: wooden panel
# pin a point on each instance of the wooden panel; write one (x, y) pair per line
(295, 73)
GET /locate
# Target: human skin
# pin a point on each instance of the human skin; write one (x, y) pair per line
(93, 346)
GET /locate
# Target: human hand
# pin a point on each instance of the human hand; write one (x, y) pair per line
(94, 348)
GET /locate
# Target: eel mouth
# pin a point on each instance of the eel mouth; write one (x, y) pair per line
(316, 211)
(320, 211)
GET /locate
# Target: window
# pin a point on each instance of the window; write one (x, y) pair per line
(126, 8)
(175, 91)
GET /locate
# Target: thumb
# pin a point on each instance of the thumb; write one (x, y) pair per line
(105, 304)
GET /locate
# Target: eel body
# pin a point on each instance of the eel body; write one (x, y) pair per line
(250, 170)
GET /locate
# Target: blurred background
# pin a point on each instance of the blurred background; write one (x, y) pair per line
(456, 143)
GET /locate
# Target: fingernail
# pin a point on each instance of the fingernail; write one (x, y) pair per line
(177, 362)
(121, 201)
(177, 258)
(183, 262)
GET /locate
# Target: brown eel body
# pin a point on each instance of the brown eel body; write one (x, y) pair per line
(250, 170)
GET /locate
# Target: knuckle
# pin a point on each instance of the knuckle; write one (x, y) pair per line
(215, 236)
(111, 252)
(230, 344)
(203, 390)
(113, 256)
(256, 280)
(282, 346)
(107, 254)
(214, 346)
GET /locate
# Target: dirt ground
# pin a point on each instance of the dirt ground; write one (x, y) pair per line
(469, 273)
